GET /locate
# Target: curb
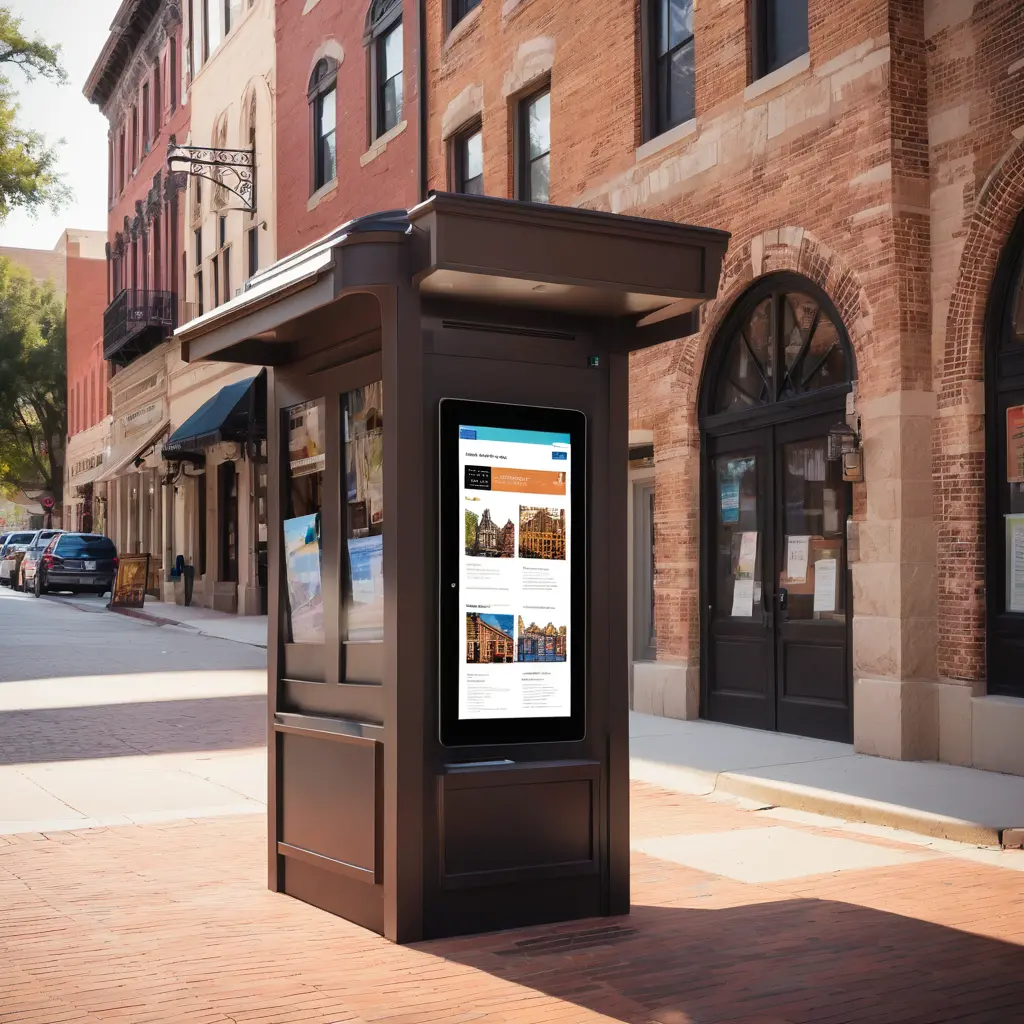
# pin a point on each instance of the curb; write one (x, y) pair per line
(159, 620)
(796, 797)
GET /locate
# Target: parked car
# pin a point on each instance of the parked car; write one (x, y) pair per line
(76, 562)
(11, 553)
(26, 577)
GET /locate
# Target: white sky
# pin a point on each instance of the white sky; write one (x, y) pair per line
(81, 28)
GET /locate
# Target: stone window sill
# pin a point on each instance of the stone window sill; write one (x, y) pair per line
(666, 139)
(382, 143)
(778, 77)
(462, 28)
(322, 193)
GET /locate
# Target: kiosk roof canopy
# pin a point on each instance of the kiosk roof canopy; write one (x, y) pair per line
(471, 249)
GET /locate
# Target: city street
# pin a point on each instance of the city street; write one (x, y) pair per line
(133, 868)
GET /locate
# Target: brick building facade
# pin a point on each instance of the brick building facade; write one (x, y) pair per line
(85, 272)
(333, 51)
(140, 85)
(870, 161)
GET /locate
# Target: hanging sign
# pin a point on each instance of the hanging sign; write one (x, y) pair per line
(1015, 563)
(1015, 444)
(129, 590)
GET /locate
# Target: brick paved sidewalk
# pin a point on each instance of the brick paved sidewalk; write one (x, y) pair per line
(173, 923)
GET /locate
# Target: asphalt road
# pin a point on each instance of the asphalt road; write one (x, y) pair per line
(109, 720)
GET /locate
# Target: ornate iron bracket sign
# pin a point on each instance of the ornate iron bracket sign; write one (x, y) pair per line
(233, 170)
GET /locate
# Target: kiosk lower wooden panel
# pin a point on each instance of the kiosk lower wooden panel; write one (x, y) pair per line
(331, 799)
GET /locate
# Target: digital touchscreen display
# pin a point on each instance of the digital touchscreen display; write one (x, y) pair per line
(513, 574)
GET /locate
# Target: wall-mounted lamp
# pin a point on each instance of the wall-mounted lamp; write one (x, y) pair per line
(844, 444)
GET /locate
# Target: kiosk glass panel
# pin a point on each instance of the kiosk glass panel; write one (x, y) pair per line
(305, 426)
(363, 592)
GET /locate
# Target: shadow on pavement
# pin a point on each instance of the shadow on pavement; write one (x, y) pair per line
(119, 730)
(795, 960)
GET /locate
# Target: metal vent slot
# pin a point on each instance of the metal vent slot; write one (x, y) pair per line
(569, 942)
(518, 332)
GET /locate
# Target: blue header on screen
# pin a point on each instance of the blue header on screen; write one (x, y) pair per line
(506, 434)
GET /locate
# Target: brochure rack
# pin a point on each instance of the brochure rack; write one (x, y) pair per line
(365, 332)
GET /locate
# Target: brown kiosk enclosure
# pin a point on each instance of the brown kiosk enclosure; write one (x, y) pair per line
(469, 298)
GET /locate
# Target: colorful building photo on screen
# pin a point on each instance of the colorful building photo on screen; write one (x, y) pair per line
(541, 532)
(489, 639)
(540, 643)
(486, 537)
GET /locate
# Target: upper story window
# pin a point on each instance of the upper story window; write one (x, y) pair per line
(135, 137)
(172, 75)
(145, 118)
(110, 171)
(384, 38)
(213, 13)
(534, 141)
(468, 161)
(668, 79)
(323, 104)
(120, 162)
(158, 99)
(460, 8)
(778, 34)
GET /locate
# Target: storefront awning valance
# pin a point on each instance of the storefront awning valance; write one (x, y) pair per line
(130, 451)
(235, 413)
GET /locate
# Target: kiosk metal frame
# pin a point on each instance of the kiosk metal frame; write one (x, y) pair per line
(482, 299)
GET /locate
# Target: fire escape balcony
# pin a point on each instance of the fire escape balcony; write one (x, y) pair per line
(137, 321)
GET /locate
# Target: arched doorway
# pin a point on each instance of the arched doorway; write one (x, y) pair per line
(775, 643)
(1004, 425)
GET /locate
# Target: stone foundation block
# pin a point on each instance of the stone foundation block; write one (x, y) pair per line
(666, 688)
(997, 728)
(896, 719)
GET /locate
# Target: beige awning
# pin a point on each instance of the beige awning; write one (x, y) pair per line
(129, 451)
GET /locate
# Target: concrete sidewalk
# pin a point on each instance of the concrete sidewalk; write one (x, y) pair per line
(243, 629)
(962, 804)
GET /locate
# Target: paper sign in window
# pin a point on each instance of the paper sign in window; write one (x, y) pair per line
(1015, 563)
(743, 599)
(747, 560)
(797, 551)
(825, 584)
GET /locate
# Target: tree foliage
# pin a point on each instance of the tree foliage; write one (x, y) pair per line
(28, 166)
(33, 383)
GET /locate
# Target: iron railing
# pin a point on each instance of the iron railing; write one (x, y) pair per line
(137, 316)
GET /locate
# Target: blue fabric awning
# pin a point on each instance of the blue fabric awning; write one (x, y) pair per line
(237, 412)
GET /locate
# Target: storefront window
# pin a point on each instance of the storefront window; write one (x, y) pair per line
(814, 510)
(302, 548)
(363, 596)
(738, 544)
(1018, 307)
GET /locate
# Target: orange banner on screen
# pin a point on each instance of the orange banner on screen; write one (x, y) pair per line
(527, 481)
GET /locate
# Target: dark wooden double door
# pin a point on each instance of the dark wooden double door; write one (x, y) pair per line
(776, 638)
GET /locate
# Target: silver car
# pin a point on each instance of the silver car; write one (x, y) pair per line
(15, 544)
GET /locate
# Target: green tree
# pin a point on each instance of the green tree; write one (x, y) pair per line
(28, 166)
(33, 384)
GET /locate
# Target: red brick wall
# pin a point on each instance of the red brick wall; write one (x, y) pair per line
(139, 182)
(86, 300)
(838, 173)
(976, 103)
(390, 179)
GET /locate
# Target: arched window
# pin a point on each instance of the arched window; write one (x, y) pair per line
(323, 106)
(383, 37)
(1018, 306)
(784, 339)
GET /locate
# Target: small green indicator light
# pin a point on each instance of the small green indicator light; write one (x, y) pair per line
(594, 361)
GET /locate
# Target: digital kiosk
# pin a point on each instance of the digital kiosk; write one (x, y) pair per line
(448, 577)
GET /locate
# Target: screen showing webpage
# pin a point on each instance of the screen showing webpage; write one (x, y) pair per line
(514, 573)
